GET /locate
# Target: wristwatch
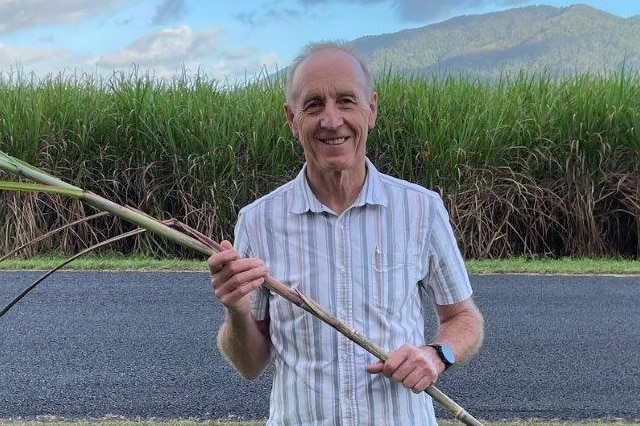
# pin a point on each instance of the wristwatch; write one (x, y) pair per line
(445, 353)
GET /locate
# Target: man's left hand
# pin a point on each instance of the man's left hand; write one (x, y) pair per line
(415, 367)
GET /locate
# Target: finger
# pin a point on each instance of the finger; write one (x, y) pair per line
(226, 244)
(402, 374)
(242, 271)
(230, 297)
(421, 385)
(393, 363)
(417, 382)
(375, 368)
(236, 274)
(217, 260)
(238, 268)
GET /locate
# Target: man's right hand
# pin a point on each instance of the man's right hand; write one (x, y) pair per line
(234, 277)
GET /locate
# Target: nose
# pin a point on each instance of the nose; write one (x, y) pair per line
(331, 117)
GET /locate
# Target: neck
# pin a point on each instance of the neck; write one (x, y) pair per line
(337, 190)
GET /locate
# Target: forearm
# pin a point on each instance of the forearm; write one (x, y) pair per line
(245, 343)
(462, 329)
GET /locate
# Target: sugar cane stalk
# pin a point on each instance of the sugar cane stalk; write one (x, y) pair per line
(208, 247)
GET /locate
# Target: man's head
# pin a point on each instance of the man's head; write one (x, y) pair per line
(331, 105)
(312, 48)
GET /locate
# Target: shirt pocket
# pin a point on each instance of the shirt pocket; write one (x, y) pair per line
(394, 281)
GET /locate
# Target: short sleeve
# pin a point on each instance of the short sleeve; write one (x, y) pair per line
(260, 297)
(447, 280)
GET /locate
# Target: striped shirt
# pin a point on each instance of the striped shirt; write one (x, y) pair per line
(369, 266)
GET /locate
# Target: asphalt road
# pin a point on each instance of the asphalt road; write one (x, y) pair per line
(95, 344)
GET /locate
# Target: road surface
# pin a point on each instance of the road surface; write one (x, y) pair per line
(141, 345)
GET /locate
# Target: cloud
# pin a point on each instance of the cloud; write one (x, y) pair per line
(169, 11)
(165, 47)
(240, 53)
(272, 15)
(236, 70)
(169, 52)
(20, 14)
(423, 10)
(420, 10)
(29, 56)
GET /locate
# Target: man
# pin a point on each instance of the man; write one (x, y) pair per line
(365, 246)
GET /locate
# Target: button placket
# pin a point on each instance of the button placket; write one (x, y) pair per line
(343, 309)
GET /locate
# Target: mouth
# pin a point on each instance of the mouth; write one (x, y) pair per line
(334, 141)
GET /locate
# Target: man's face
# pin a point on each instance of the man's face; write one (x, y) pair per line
(332, 111)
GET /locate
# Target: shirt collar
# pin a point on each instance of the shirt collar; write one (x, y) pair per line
(305, 201)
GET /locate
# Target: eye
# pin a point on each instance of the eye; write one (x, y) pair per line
(313, 105)
(347, 101)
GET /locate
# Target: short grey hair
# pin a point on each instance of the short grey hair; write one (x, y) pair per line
(312, 48)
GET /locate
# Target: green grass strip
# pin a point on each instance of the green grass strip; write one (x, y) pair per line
(116, 261)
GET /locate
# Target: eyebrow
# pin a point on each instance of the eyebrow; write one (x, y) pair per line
(320, 96)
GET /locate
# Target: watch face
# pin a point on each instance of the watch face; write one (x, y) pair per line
(448, 354)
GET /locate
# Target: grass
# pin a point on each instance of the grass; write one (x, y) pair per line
(114, 261)
(539, 265)
(556, 266)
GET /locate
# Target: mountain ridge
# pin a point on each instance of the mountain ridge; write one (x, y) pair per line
(559, 40)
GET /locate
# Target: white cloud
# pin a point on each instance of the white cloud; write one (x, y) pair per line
(165, 47)
(240, 70)
(271, 62)
(170, 52)
(418, 10)
(238, 54)
(28, 56)
(19, 14)
(422, 10)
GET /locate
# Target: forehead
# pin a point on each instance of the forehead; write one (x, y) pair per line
(328, 70)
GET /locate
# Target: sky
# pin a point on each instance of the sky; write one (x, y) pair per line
(227, 40)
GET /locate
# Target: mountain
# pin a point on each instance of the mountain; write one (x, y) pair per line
(559, 40)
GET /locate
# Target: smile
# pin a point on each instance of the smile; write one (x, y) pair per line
(334, 141)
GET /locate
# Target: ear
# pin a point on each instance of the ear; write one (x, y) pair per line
(373, 107)
(288, 112)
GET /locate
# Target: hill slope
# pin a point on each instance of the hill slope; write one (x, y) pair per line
(560, 40)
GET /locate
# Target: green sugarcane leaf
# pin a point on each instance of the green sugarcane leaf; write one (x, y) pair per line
(36, 187)
(15, 166)
(7, 164)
